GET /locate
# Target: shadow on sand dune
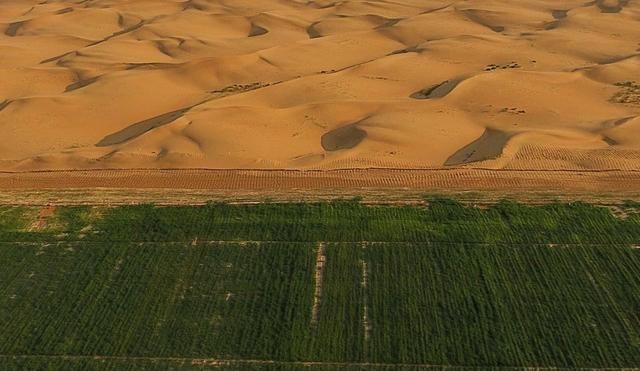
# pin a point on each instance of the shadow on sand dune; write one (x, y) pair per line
(139, 128)
(437, 91)
(488, 146)
(346, 137)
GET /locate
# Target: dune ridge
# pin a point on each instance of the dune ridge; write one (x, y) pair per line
(293, 84)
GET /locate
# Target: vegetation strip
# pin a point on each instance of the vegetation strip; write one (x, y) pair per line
(437, 283)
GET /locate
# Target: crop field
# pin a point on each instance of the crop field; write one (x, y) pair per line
(320, 286)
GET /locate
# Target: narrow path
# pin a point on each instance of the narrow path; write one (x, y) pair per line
(222, 361)
(319, 273)
(366, 327)
(43, 214)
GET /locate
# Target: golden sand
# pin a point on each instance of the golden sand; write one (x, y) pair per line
(320, 84)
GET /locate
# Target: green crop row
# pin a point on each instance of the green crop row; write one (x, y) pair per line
(441, 221)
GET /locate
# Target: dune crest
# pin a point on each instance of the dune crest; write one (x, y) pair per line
(289, 84)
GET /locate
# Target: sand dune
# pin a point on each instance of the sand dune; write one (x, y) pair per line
(320, 84)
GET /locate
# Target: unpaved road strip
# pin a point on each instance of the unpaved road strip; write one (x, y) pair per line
(221, 362)
(100, 187)
(346, 179)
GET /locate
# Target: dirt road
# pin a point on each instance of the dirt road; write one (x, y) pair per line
(196, 186)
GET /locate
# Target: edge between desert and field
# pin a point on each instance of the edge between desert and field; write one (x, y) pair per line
(189, 186)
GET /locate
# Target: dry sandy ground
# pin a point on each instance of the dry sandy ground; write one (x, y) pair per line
(477, 186)
(320, 84)
(620, 183)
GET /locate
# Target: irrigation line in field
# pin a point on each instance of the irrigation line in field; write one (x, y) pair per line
(226, 362)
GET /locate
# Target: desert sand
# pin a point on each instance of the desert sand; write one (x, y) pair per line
(320, 84)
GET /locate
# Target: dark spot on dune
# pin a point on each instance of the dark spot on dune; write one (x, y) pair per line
(617, 122)
(488, 146)
(389, 23)
(611, 59)
(504, 66)
(313, 32)
(607, 8)
(609, 141)
(162, 48)
(80, 84)
(64, 11)
(437, 91)
(551, 25)
(257, 30)
(474, 16)
(559, 14)
(315, 5)
(346, 137)
(139, 128)
(150, 66)
(163, 153)
(107, 156)
(237, 88)
(121, 32)
(190, 4)
(267, 61)
(126, 30)
(411, 49)
(13, 28)
(57, 57)
(4, 104)
(436, 9)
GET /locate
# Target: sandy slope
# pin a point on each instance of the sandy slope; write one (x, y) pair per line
(513, 84)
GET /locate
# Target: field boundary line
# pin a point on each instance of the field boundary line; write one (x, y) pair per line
(321, 260)
(230, 361)
(364, 283)
(371, 196)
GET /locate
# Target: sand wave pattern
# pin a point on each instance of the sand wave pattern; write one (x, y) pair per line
(320, 85)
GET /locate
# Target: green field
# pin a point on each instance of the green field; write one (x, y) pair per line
(320, 287)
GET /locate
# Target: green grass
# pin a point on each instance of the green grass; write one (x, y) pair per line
(506, 306)
(443, 221)
(156, 287)
(14, 218)
(155, 300)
